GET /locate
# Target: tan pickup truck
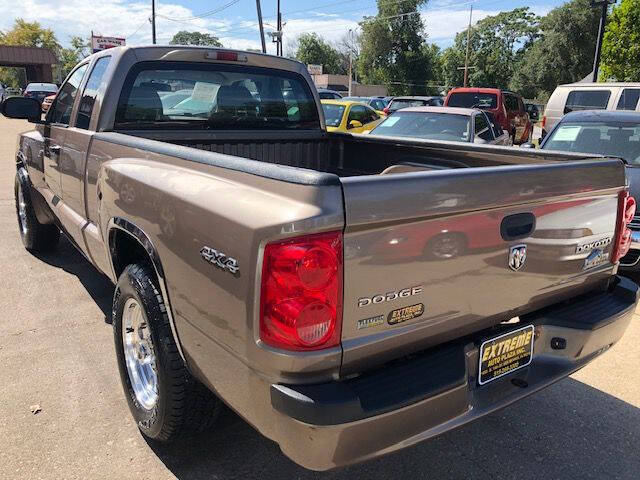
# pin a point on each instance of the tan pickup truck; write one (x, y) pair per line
(347, 295)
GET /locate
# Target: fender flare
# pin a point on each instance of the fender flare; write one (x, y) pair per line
(129, 228)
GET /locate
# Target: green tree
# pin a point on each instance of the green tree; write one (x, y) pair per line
(184, 37)
(621, 44)
(562, 54)
(497, 45)
(69, 57)
(27, 34)
(392, 48)
(315, 51)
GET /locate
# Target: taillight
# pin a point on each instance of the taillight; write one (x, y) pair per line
(301, 293)
(386, 110)
(626, 212)
(226, 56)
(544, 122)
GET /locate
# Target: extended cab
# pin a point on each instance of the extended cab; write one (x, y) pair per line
(507, 108)
(347, 295)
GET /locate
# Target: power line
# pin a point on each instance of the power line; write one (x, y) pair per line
(203, 14)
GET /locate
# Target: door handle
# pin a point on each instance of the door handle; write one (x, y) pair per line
(515, 227)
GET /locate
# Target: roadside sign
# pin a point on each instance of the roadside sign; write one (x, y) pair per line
(99, 43)
(314, 69)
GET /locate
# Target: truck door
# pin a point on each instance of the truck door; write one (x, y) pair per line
(55, 130)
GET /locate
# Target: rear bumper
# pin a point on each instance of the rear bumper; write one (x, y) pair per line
(337, 423)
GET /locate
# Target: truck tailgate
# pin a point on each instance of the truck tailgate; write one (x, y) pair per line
(433, 256)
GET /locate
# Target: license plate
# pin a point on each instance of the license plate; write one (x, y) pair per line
(504, 354)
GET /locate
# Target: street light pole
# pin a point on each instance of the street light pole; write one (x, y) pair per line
(264, 46)
(603, 23)
(153, 21)
(466, 60)
(279, 44)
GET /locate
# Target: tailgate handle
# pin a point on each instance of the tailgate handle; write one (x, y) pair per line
(517, 226)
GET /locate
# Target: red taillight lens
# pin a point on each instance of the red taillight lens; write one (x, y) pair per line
(544, 122)
(386, 110)
(626, 212)
(301, 294)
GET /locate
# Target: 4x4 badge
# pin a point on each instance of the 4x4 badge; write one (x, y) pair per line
(517, 257)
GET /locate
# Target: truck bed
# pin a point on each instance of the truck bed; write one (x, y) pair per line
(348, 155)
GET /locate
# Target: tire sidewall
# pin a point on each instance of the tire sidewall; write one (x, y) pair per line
(26, 236)
(133, 284)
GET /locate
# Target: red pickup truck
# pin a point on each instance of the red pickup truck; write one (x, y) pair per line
(507, 108)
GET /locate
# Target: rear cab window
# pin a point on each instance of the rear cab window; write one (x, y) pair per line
(587, 100)
(177, 95)
(473, 100)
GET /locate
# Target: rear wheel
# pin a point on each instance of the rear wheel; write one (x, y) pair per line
(164, 398)
(36, 236)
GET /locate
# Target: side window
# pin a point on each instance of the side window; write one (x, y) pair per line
(482, 128)
(628, 99)
(587, 100)
(61, 110)
(359, 113)
(94, 85)
(511, 103)
(370, 116)
(497, 129)
(377, 104)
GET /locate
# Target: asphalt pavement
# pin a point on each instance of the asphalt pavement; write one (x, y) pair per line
(56, 354)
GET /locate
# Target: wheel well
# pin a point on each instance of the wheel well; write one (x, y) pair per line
(126, 250)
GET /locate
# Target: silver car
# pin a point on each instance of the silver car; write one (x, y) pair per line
(444, 123)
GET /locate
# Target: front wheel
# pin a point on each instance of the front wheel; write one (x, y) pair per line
(36, 236)
(164, 398)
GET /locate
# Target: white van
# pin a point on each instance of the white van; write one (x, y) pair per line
(589, 96)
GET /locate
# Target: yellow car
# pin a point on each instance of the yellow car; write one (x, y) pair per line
(347, 116)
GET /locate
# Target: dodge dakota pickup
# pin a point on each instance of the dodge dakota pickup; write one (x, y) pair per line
(347, 295)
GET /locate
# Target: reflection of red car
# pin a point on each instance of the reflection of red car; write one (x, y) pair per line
(451, 237)
(46, 103)
(507, 108)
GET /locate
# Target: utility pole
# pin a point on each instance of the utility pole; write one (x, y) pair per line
(153, 21)
(466, 60)
(350, 62)
(604, 4)
(279, 43)
(264, 46)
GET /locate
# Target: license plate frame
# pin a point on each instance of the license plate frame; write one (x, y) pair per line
(516, 355)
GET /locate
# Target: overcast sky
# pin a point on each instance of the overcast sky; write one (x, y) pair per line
(234, 21)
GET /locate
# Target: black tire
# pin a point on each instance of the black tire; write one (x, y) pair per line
(183, 404)
(446, 246)
(36, 236)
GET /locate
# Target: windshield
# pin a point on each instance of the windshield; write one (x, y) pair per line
(405, 103)
(332, 114)
(433, 126)
(200, 96)
(473, 100)
(613, 139)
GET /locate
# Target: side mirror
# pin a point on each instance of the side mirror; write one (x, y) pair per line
(527, 145)
(354, 124)
(23, 108)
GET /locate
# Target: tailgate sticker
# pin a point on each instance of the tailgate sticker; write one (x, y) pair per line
(370, 322)
(505, 353)
(404, 314)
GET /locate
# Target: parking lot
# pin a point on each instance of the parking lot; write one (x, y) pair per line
(56, 354)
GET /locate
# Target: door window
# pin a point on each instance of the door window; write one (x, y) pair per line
(497, 129)
(359, 113)
(587, 100)
(628, 99)
(94, 85)
(482, 128)
(63, 104)
(511, 103)
(370, 115)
